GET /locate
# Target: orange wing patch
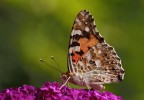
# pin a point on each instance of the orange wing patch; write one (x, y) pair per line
(75, 56)
(87, 43)
(84, 45)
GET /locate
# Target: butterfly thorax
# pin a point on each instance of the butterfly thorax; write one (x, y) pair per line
(74, 78)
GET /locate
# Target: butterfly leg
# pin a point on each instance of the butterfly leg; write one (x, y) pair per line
(68, 84)
(88, 87)
(65, 82)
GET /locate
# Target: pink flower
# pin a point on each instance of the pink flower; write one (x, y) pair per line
(21, 93)
(50, 91)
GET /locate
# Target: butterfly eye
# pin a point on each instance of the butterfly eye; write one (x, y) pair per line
(64, 76)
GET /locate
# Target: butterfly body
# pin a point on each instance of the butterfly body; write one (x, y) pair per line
(91, 61)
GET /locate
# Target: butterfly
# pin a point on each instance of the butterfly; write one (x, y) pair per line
(91, 61)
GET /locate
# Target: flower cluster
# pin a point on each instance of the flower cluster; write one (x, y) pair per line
(50, 91)
(21, 93)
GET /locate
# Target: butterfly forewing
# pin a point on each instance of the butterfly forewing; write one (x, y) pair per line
(91, 60)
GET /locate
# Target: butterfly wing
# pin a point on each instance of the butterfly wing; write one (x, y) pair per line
(89, 55)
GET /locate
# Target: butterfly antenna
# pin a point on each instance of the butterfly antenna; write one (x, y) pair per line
(56, 63)
(50, 66)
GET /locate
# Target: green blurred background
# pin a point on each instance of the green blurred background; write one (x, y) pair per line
(34, 29)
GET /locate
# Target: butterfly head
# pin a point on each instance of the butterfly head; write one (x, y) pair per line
(65, 76)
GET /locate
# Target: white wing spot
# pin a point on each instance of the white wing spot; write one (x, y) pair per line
(78, 32)
(77, 20)
(87, 29)
(98, 63)
(88, 56)
(76, 48)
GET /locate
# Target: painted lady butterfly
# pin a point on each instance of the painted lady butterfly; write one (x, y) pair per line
(91, 61)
